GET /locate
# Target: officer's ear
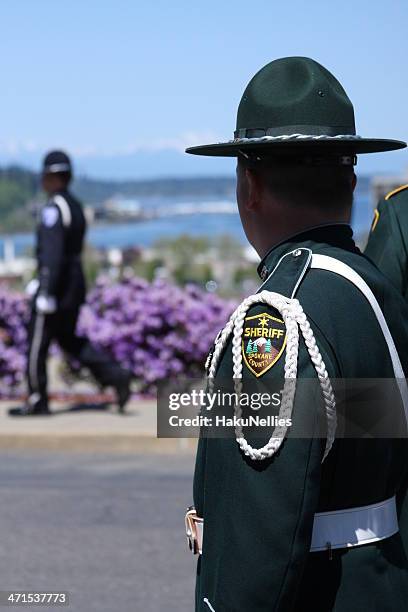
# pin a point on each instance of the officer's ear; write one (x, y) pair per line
(45, 182)
(354, 181)
(254, 190)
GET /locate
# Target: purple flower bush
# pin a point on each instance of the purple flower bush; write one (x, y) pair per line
(157, 330)
(14, 315)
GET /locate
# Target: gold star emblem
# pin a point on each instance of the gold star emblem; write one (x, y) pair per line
(263, 321)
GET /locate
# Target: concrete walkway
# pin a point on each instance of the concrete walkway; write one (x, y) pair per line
(89, 427)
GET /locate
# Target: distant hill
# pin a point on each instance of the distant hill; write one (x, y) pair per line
(17, 188)
(94, 191)
(20, 188)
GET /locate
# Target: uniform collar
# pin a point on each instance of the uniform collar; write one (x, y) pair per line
(338, 235)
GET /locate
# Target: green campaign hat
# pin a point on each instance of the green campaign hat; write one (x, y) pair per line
(294, 105)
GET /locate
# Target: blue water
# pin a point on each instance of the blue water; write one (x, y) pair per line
(146, 233)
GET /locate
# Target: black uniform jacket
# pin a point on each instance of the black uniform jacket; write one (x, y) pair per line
(60, 238)
(258, 515)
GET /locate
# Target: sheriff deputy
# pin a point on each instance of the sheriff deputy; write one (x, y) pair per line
(288, 522)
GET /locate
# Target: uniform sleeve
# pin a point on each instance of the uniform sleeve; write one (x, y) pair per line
(386, 246)
(50, 250)
(258, 515)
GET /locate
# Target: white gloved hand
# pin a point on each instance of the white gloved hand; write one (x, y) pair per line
(32, 287)
(46, 304)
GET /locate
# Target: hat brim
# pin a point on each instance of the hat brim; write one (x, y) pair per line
(284, 146)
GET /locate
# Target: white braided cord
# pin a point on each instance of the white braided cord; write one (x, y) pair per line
(294, 318)
(288, 137)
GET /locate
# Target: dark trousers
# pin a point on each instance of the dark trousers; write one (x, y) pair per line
(61, 327)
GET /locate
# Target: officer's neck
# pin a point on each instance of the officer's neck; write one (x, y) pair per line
(275, 231)
(53, 192)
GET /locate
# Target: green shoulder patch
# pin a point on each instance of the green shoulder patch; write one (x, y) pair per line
(263, 342)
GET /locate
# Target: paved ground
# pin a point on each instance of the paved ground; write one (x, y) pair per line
(106, 527)
(89, 427)
(86, 425)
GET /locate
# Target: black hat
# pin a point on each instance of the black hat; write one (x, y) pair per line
(293, 106)
(56, 161)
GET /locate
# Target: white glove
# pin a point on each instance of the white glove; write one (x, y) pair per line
(46, 304)
(32, 287)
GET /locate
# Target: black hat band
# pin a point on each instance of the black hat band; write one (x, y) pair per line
(304, 160)
(287, 137)
(310, 130)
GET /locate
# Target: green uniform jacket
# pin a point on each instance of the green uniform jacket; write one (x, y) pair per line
(259, 514)
(388, 241)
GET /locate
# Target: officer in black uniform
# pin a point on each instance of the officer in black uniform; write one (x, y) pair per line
(61, 292)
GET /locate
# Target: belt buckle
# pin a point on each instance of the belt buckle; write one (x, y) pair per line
(191, 519)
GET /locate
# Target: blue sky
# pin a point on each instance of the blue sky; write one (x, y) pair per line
(127, 85)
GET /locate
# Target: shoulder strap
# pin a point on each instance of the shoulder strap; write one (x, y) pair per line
(291, 269)
(324, 262)
(64, 209)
